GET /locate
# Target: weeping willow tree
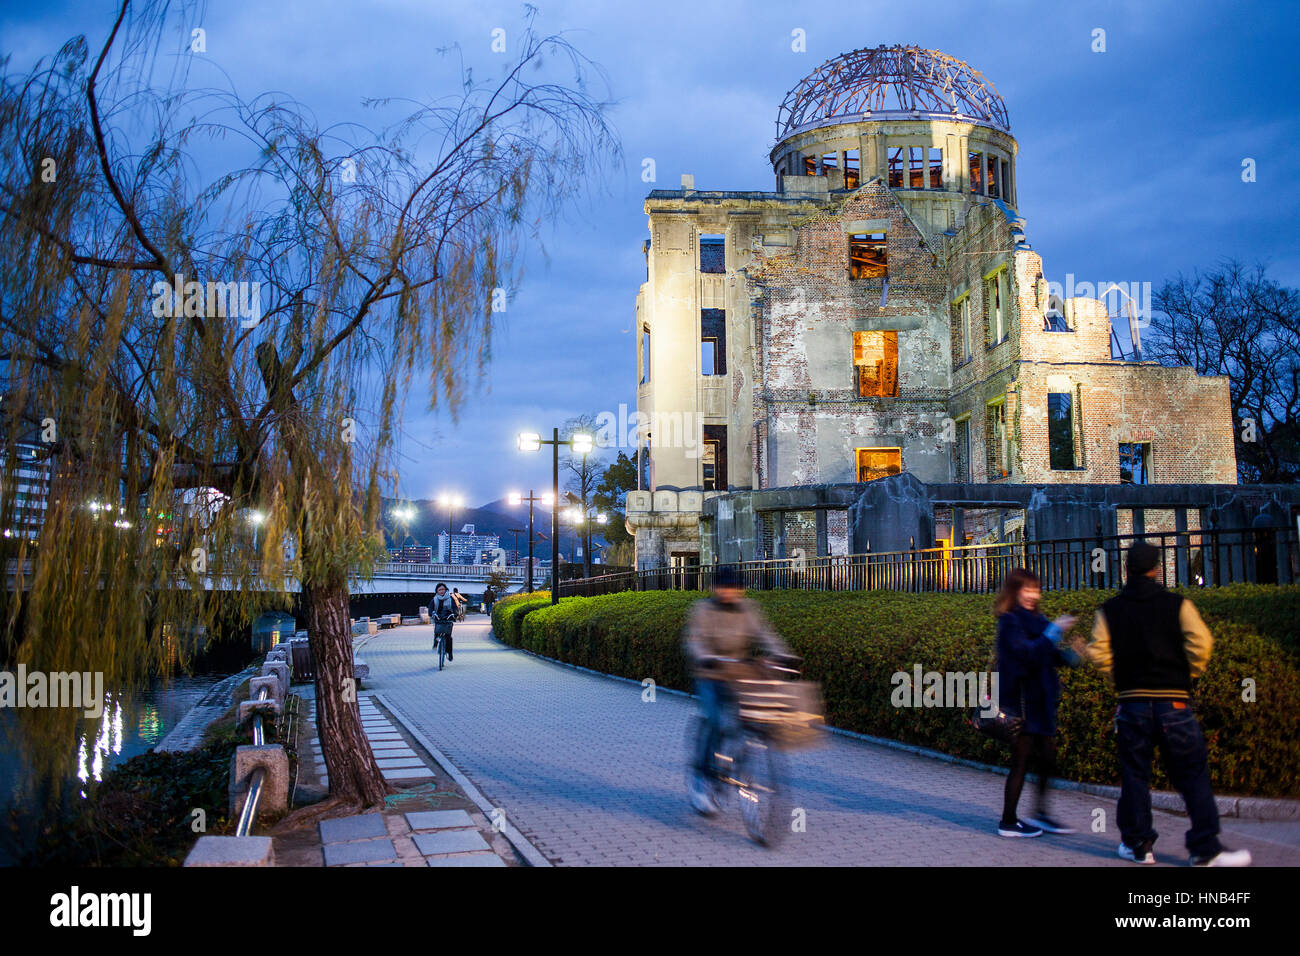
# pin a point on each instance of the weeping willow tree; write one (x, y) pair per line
(210, 310)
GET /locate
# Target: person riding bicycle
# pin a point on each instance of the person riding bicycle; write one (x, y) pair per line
(443, 612)
(722, 629)
(461, 602)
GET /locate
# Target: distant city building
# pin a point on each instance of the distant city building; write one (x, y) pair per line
(412, 554)
(468, 548)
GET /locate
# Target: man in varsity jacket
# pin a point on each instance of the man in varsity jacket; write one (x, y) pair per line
(1152, 644)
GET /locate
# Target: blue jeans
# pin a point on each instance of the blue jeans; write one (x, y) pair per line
(1141, 726)
(718, 706)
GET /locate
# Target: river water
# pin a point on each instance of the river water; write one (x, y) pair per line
(131, 726)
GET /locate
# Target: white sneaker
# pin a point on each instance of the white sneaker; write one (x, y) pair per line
(1141, 855)
(1224, 858)
(701, 800)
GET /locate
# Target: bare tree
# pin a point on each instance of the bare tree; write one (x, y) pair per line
(374, 255)
(1237, 322)
(582, 475)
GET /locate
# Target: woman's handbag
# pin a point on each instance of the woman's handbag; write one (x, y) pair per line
(1001, 726)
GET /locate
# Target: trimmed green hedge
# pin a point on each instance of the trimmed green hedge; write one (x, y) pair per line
(853, 643)
(508, 613)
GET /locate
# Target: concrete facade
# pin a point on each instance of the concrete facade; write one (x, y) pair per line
(881, 311)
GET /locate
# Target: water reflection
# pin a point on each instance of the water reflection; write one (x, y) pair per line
(108, 742)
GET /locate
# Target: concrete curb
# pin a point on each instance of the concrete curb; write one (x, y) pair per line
(1241, 808)
(530, 853)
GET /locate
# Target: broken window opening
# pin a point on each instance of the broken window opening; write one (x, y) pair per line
(1060, 430)
(961, 451)
(868, 255)
(810, 166)
(896, 167)
(936, 167)
(996, 330)
(1006, 181)
(830, 161)
(713, 342)
(961, 321)
(977, 172)
(645, 354)
(994, 178)
(714, 458)
(875, 463)
(916, 168)
(713, 254)
(875, 363)
(852, 169)
(1135, 463)
(997, 443)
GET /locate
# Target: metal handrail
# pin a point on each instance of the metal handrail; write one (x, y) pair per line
(248, 816)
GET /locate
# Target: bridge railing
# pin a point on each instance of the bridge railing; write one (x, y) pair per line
(459, 572)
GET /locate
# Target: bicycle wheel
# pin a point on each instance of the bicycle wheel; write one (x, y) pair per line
(442, 651)
(762, 792)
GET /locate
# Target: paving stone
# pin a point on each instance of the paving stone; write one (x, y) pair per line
(467, 859)
(358, 827)
(583, 768)
(408, 773)
(438, 819)
(366, 851)
(449, 841)
(411, 761)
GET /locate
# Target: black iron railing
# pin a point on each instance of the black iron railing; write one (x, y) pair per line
(1191, 559)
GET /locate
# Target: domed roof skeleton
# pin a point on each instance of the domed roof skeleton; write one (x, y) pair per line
(862, 82)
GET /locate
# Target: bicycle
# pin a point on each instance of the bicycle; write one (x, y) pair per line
(441, 632)
(748, 760)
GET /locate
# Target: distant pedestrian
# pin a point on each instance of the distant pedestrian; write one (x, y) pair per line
(489, 598)
(1028, 653)
(1152, 645)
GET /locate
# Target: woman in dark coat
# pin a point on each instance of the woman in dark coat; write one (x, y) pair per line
(1028, 653)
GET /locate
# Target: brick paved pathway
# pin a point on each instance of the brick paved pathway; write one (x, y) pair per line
(592, 775)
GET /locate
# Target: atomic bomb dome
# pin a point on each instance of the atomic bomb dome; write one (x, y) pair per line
(891, 81)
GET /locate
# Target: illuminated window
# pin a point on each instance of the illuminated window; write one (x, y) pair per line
(876, 463)
(916, 168)
(875, 363)
(977, 172)
(994, 177)
(868, 255)
(810, 166)
(936, 167)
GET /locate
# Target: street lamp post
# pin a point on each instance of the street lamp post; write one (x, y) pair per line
(450, 502)
(518, 499)
(580, 443)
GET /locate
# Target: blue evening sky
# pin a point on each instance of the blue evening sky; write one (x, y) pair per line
(1130, 160)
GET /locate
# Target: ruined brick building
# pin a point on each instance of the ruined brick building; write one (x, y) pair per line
(882, 313)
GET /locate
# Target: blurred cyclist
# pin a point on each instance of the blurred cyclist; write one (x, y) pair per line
(722, 627)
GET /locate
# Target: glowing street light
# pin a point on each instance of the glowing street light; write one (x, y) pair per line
(580, 443)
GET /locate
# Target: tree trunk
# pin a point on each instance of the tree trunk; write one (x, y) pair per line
(354, 775)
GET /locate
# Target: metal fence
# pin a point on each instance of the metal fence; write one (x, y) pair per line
(1191, 559)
